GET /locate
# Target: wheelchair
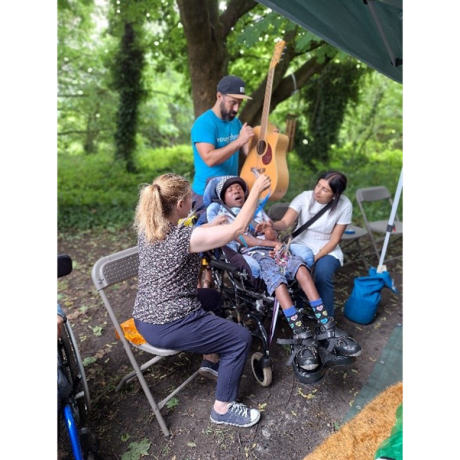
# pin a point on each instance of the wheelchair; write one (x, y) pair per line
(74, 403)
(246, 301)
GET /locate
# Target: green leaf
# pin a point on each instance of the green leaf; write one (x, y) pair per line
(89, 360)
(172, 403)
(97, 330)
(137, 450)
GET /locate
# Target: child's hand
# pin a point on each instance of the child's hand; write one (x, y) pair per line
(262, 227)
(276, 249)
(271, 234)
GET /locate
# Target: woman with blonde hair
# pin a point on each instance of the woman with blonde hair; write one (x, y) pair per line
(168, 310)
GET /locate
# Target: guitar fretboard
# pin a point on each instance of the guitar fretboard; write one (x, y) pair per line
(266, 109)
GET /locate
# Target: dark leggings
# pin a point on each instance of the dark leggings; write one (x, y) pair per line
(205, 333)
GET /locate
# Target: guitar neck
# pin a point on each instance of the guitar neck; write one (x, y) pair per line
(266, 109)
(267, 153)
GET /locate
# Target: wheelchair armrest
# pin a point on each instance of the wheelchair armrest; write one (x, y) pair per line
(225, 266)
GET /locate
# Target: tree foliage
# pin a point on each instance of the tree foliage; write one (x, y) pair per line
(141, 82)
(86, 104)
(328, 96)
(127, 77)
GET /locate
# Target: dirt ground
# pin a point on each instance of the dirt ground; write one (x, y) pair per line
(295, 417)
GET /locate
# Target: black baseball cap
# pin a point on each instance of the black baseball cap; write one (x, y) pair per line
(232, 86)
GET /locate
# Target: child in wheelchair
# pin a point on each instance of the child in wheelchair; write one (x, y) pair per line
(218, 206)
(272, 261)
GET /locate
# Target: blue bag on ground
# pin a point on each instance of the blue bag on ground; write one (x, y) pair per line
(389, 282)
(361, 306)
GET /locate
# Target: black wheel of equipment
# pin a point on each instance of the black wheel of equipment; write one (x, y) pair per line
(262, 374)
(75, 374)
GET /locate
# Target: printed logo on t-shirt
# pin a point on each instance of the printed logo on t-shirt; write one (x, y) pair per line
(228, 139)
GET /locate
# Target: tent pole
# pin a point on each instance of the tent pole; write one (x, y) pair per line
(391, 220)
(394, 61)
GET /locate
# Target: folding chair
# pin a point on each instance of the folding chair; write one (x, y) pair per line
(380, 195)
(277, 211)
(351, 238)
(109, 271)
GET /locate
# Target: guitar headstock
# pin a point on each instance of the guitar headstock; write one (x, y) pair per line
(277, 53)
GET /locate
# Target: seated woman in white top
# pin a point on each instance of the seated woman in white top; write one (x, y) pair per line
(324, 235)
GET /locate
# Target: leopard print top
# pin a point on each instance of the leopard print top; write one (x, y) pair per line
(168, 277)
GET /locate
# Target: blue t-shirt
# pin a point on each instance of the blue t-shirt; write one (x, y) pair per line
(211, 129)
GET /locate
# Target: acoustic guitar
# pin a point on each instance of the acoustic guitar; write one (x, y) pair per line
(267, 150)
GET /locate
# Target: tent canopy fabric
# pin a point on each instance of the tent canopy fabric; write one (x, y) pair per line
(369, 30)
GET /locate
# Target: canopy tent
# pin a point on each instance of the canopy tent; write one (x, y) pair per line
(369, 30)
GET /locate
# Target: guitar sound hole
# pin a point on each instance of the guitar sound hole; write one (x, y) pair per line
(261, 146)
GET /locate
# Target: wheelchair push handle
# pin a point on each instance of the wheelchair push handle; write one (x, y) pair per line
(64, 265)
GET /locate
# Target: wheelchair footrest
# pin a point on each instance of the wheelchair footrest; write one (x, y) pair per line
(327, 361)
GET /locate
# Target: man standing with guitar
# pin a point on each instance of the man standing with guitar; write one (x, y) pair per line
(218, 136)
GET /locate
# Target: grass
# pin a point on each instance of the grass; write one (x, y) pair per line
(95, 191)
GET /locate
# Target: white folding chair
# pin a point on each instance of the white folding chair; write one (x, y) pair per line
(382, 197)
(114, 269)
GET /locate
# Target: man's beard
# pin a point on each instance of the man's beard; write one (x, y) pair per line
(226, 115)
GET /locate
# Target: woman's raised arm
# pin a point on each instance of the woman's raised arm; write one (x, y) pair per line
(205, 238)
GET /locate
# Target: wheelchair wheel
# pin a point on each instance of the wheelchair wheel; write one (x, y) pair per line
(262, 374)
(75, 373)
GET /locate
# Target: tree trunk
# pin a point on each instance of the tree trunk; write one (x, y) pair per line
(206, 34)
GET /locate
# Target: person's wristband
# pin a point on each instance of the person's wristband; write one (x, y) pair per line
(243, 241)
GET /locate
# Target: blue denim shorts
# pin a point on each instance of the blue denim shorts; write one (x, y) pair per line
(304, 252)
(272, 274)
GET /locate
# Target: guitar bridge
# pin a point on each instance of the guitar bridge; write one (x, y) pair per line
(258, 171)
